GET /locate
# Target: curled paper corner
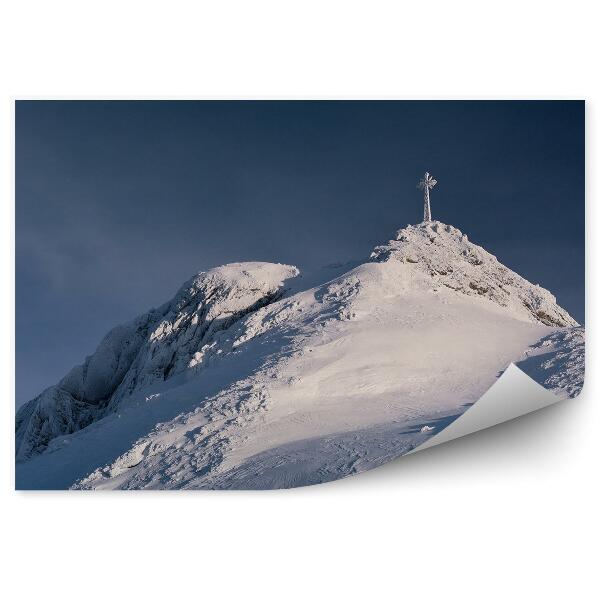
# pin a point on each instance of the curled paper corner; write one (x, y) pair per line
(513, 395)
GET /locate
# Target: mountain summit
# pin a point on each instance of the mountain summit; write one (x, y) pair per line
(446, 254)
(240, 381)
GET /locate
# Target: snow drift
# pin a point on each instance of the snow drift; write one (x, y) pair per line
(237, 382)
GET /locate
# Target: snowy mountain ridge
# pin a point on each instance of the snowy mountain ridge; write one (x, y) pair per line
(149, 349)
(217, 386)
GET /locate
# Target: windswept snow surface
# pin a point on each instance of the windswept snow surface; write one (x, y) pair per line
(236, 384)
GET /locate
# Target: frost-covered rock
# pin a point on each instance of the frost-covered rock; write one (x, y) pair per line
(445, 253)
(557, 361)
(149, 349)
(53, 413)
(205, 306)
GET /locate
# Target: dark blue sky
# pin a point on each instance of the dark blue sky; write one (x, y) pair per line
(117, 203)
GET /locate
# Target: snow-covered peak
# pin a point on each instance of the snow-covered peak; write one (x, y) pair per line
(447, 258)
(165, 341)
(152, 348)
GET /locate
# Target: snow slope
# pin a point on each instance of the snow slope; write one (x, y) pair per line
(236, 384)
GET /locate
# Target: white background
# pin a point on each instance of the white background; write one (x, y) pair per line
(507, 513)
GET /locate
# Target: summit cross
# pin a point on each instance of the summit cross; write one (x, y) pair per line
(426, 184)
